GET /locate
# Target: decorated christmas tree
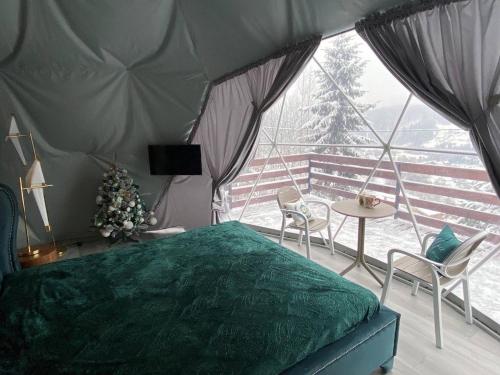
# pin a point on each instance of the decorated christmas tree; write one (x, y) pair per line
(121, 211)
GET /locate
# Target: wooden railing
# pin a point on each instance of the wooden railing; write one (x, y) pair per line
(320, 172)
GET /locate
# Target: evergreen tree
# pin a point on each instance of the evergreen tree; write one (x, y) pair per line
(121, 212)
(332, 118)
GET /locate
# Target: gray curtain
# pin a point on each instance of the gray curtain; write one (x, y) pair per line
(227, 131)
(448, 54)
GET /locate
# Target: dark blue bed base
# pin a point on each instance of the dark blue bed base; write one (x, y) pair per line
(373, 344)
(8, 232)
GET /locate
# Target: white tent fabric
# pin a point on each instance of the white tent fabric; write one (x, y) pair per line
(95, 79)
(227, 132)
(231, 102)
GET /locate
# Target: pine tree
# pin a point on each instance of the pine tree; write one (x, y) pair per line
(332, 118)
(121, 211)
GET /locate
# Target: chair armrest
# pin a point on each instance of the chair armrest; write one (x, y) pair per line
(284, 212)
(320, 203)
(391, 253)
(435, 267)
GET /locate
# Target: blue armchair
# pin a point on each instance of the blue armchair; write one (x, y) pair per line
(9, 212)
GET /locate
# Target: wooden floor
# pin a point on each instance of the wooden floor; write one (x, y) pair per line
(467, 348)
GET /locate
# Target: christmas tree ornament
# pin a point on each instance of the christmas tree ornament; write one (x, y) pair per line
(128, 225)
(104, 233)
(121, 214)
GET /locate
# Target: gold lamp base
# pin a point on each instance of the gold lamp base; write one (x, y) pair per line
(39, 254)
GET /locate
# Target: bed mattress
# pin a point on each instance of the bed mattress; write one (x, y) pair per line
(219, 299)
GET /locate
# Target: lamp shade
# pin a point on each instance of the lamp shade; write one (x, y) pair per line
(34, 182)
(14, 138)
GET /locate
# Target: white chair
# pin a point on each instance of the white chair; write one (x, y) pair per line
(315, 224)
(437, 275)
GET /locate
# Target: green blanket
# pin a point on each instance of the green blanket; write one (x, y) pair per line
(215, 300)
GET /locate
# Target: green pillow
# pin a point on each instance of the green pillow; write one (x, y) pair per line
(443, 245)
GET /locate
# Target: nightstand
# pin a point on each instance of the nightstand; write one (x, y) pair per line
(40, 254)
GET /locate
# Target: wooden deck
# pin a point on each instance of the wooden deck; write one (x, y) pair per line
(467, 348)
(315, 173)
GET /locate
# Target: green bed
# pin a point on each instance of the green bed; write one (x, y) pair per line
(214, 300)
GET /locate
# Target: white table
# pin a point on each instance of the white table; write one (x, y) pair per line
(351, 207)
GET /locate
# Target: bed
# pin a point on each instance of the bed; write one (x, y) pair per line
(214, 300)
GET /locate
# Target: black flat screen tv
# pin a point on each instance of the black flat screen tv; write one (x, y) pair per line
(175, 160)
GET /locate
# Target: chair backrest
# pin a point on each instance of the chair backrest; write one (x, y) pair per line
(9, 214)
(459, 259)
(286, 195)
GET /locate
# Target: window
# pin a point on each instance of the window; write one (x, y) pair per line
(327, 144)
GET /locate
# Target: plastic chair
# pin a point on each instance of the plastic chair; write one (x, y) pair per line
(435, 274)
(290, 195)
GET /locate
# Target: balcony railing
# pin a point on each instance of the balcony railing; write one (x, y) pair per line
(332, 175)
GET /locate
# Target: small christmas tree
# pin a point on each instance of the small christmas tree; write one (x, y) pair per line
(121, 211)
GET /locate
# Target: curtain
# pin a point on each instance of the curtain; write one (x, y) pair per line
(448, 54)
(227, 131)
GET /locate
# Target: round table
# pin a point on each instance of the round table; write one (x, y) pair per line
(351, 207)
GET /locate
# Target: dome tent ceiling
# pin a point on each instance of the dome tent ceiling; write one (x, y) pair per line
(93, 78)
(226, 35)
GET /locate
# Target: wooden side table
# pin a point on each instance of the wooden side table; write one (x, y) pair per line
(351, 207)
(41, 254)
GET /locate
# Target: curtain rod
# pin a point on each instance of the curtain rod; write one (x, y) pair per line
(401, 11)
(352, 28)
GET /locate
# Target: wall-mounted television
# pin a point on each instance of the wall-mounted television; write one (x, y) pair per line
(174, 160)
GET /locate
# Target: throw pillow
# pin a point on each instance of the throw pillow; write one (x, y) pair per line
(443, 245)
(301, 207)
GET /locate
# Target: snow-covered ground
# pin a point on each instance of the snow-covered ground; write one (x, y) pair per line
(384, 234)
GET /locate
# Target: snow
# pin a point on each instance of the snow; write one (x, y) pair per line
(448, 138)
(384, 234)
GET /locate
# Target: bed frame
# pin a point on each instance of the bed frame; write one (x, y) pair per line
(8, 231)
(373, 344)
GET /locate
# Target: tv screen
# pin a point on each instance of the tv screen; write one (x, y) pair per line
(173, 160)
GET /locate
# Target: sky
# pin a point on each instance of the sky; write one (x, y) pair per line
(380, 85)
